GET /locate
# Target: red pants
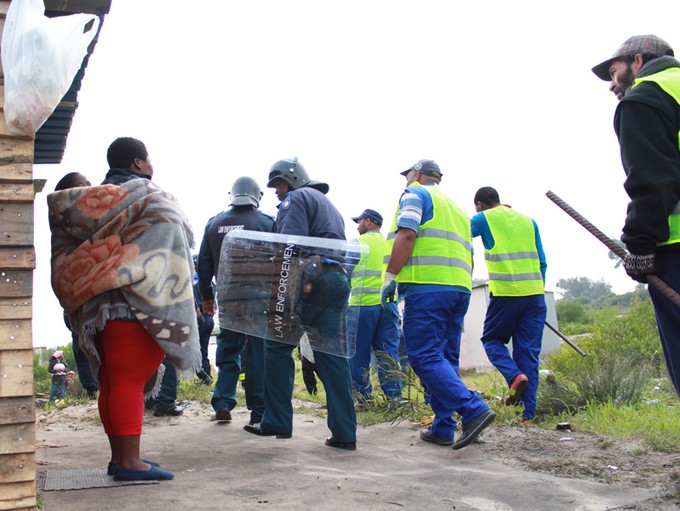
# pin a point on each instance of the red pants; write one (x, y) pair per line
(129, 357)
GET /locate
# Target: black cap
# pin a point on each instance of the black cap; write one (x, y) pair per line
(428, 167)
(371, 214)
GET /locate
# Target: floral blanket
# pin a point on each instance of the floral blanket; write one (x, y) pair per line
(123, 252)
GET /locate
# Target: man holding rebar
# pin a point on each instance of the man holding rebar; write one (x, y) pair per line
(645, 77)
(516, 262)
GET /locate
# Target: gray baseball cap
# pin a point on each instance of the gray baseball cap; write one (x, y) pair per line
(649, 44)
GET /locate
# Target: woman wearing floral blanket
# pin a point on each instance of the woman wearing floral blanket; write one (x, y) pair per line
(122, 270)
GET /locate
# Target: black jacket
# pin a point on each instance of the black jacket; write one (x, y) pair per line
(237, 217)
(647, 122)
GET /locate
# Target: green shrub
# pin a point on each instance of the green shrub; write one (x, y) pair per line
(623, 353)
(42, 380)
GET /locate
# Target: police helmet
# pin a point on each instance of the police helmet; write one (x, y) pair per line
(245, 192)
(294, 174)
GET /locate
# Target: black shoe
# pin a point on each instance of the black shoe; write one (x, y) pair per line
(473, 428)
(257, 429)
(222, 415)
(348, 446)
(173, 412)
(92, 394)
(427, 435)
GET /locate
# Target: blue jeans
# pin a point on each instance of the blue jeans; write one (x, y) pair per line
(668, 314)
(230, 346)
(377, 330)
(57, 391)
(433, 324)
(521, 318)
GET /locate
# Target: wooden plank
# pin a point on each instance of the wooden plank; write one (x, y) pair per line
(16, 376)
(16, 224)
(16, 172)
(16, 150)
(4, 130)
(16, 308)
(16, 283)
(75, 6)
(15, 334)
(17, 410)
(17, 438)
(14, 258)
(18, 496)
(17, 467)
(17, 192)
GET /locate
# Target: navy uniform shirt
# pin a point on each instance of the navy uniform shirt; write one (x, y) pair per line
(308, 212)
(247, 218)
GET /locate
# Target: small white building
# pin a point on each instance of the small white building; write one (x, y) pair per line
(472, 354)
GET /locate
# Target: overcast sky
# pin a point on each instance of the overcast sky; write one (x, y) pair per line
(498, 93)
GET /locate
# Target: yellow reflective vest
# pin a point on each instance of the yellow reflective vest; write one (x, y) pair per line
(669, 81)
(443, 250)
(513, 263)
(367, 276)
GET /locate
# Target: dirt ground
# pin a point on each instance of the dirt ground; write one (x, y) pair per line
(220, 466)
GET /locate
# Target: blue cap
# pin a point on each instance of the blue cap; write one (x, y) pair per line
(371, 214)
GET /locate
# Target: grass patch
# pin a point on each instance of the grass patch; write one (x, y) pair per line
(194, 390)
(656, 426)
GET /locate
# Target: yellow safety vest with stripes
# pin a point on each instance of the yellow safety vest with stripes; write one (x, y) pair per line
(367, 276)
(669, 81)
(443, 250)
(513, 263)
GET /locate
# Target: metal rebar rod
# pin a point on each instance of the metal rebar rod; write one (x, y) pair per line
(653, 280)
(566, 339)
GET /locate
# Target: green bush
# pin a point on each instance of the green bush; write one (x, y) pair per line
(623, 353)
(42, 380)
(571, 311)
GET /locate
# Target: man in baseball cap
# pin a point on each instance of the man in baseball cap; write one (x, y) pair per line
(372, 215)
(646, 79)
(377, 327)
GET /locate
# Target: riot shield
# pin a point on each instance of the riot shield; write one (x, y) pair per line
(281, 287)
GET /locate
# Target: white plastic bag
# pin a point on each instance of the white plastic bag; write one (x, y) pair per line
(40, 58)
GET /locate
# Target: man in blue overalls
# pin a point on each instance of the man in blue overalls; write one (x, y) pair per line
(306, 211)
(514, 257)
(377, 327)
(431, 259)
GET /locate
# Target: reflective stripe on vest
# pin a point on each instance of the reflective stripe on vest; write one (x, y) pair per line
(367, 276)
(513, 263)
(669, 81)
(443, 250)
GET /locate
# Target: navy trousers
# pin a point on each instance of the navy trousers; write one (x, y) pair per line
(433, 325)
(167, 396)
(323, 315)
(230, 346)
(87, 379)
(377, 330)
(205, 328)
(668, 314)
(521, 318)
